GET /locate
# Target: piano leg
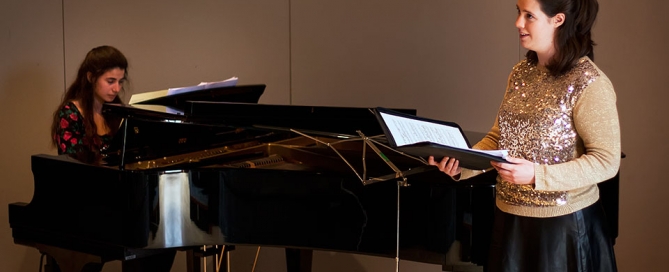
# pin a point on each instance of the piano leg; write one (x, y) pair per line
(195, 257)
(193, 261)
(63, 260)
(160, 261)
(298, 260)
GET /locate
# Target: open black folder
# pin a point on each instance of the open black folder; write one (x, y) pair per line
(427, 137)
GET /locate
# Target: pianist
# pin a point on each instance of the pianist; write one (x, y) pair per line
(80, 129)
(78, 124)
(559, 121)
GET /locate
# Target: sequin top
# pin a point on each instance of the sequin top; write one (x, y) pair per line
(568, 126)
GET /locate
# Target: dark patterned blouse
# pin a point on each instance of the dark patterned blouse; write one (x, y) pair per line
(71, 131)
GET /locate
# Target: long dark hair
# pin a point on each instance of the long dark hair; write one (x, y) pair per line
(572, 39)
(97, 62)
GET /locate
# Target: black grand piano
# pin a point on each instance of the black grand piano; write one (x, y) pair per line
(228, 171)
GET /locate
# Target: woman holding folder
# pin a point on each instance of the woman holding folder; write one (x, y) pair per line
(559, 122)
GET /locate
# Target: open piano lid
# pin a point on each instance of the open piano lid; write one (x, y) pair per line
(145, 134)
(164, 130)
(319, 120)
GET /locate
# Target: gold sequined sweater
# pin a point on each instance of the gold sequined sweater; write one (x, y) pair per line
(568, 126)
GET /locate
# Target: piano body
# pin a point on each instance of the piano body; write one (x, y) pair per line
(228, 173)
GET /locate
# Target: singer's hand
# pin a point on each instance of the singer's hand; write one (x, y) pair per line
(520, 171)
(450, 166)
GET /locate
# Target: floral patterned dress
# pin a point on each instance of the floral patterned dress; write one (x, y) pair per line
(71, 131)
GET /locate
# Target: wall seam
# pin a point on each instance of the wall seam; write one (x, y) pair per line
(290, 54)
(62, 14)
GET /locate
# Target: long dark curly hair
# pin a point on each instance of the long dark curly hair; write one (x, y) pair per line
(97, 62)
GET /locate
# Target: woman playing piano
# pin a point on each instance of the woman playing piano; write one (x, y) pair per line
(80, 129)
(559, 121)
(78, 124)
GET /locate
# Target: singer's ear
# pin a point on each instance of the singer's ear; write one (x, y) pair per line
(558, 20)
(88, 76)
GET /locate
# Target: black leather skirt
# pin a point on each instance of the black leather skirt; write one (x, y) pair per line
(576, 242)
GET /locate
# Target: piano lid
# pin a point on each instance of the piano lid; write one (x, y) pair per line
(146, 135)
(320, 120)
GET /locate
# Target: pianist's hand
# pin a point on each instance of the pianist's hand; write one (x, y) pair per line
(450, 166)
(519, 171)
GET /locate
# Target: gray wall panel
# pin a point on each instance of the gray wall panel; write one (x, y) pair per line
(174, 44)
(31, 79)
(435, 56)
(632, 40)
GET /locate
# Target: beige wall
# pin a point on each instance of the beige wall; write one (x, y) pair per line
(448, 59)
(634, 38)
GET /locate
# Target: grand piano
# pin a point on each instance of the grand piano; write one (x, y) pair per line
(225, 170)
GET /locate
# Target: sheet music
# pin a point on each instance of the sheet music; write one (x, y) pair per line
(203, 86)
(141, 97)
(407, 131)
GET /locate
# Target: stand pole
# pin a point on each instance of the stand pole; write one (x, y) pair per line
(399, 175)
(397, 238)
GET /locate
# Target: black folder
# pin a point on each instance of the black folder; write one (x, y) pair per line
(468, 158)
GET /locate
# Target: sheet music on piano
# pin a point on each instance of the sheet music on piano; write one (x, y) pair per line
(175, 100)
(203, 86)
(142, 97)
